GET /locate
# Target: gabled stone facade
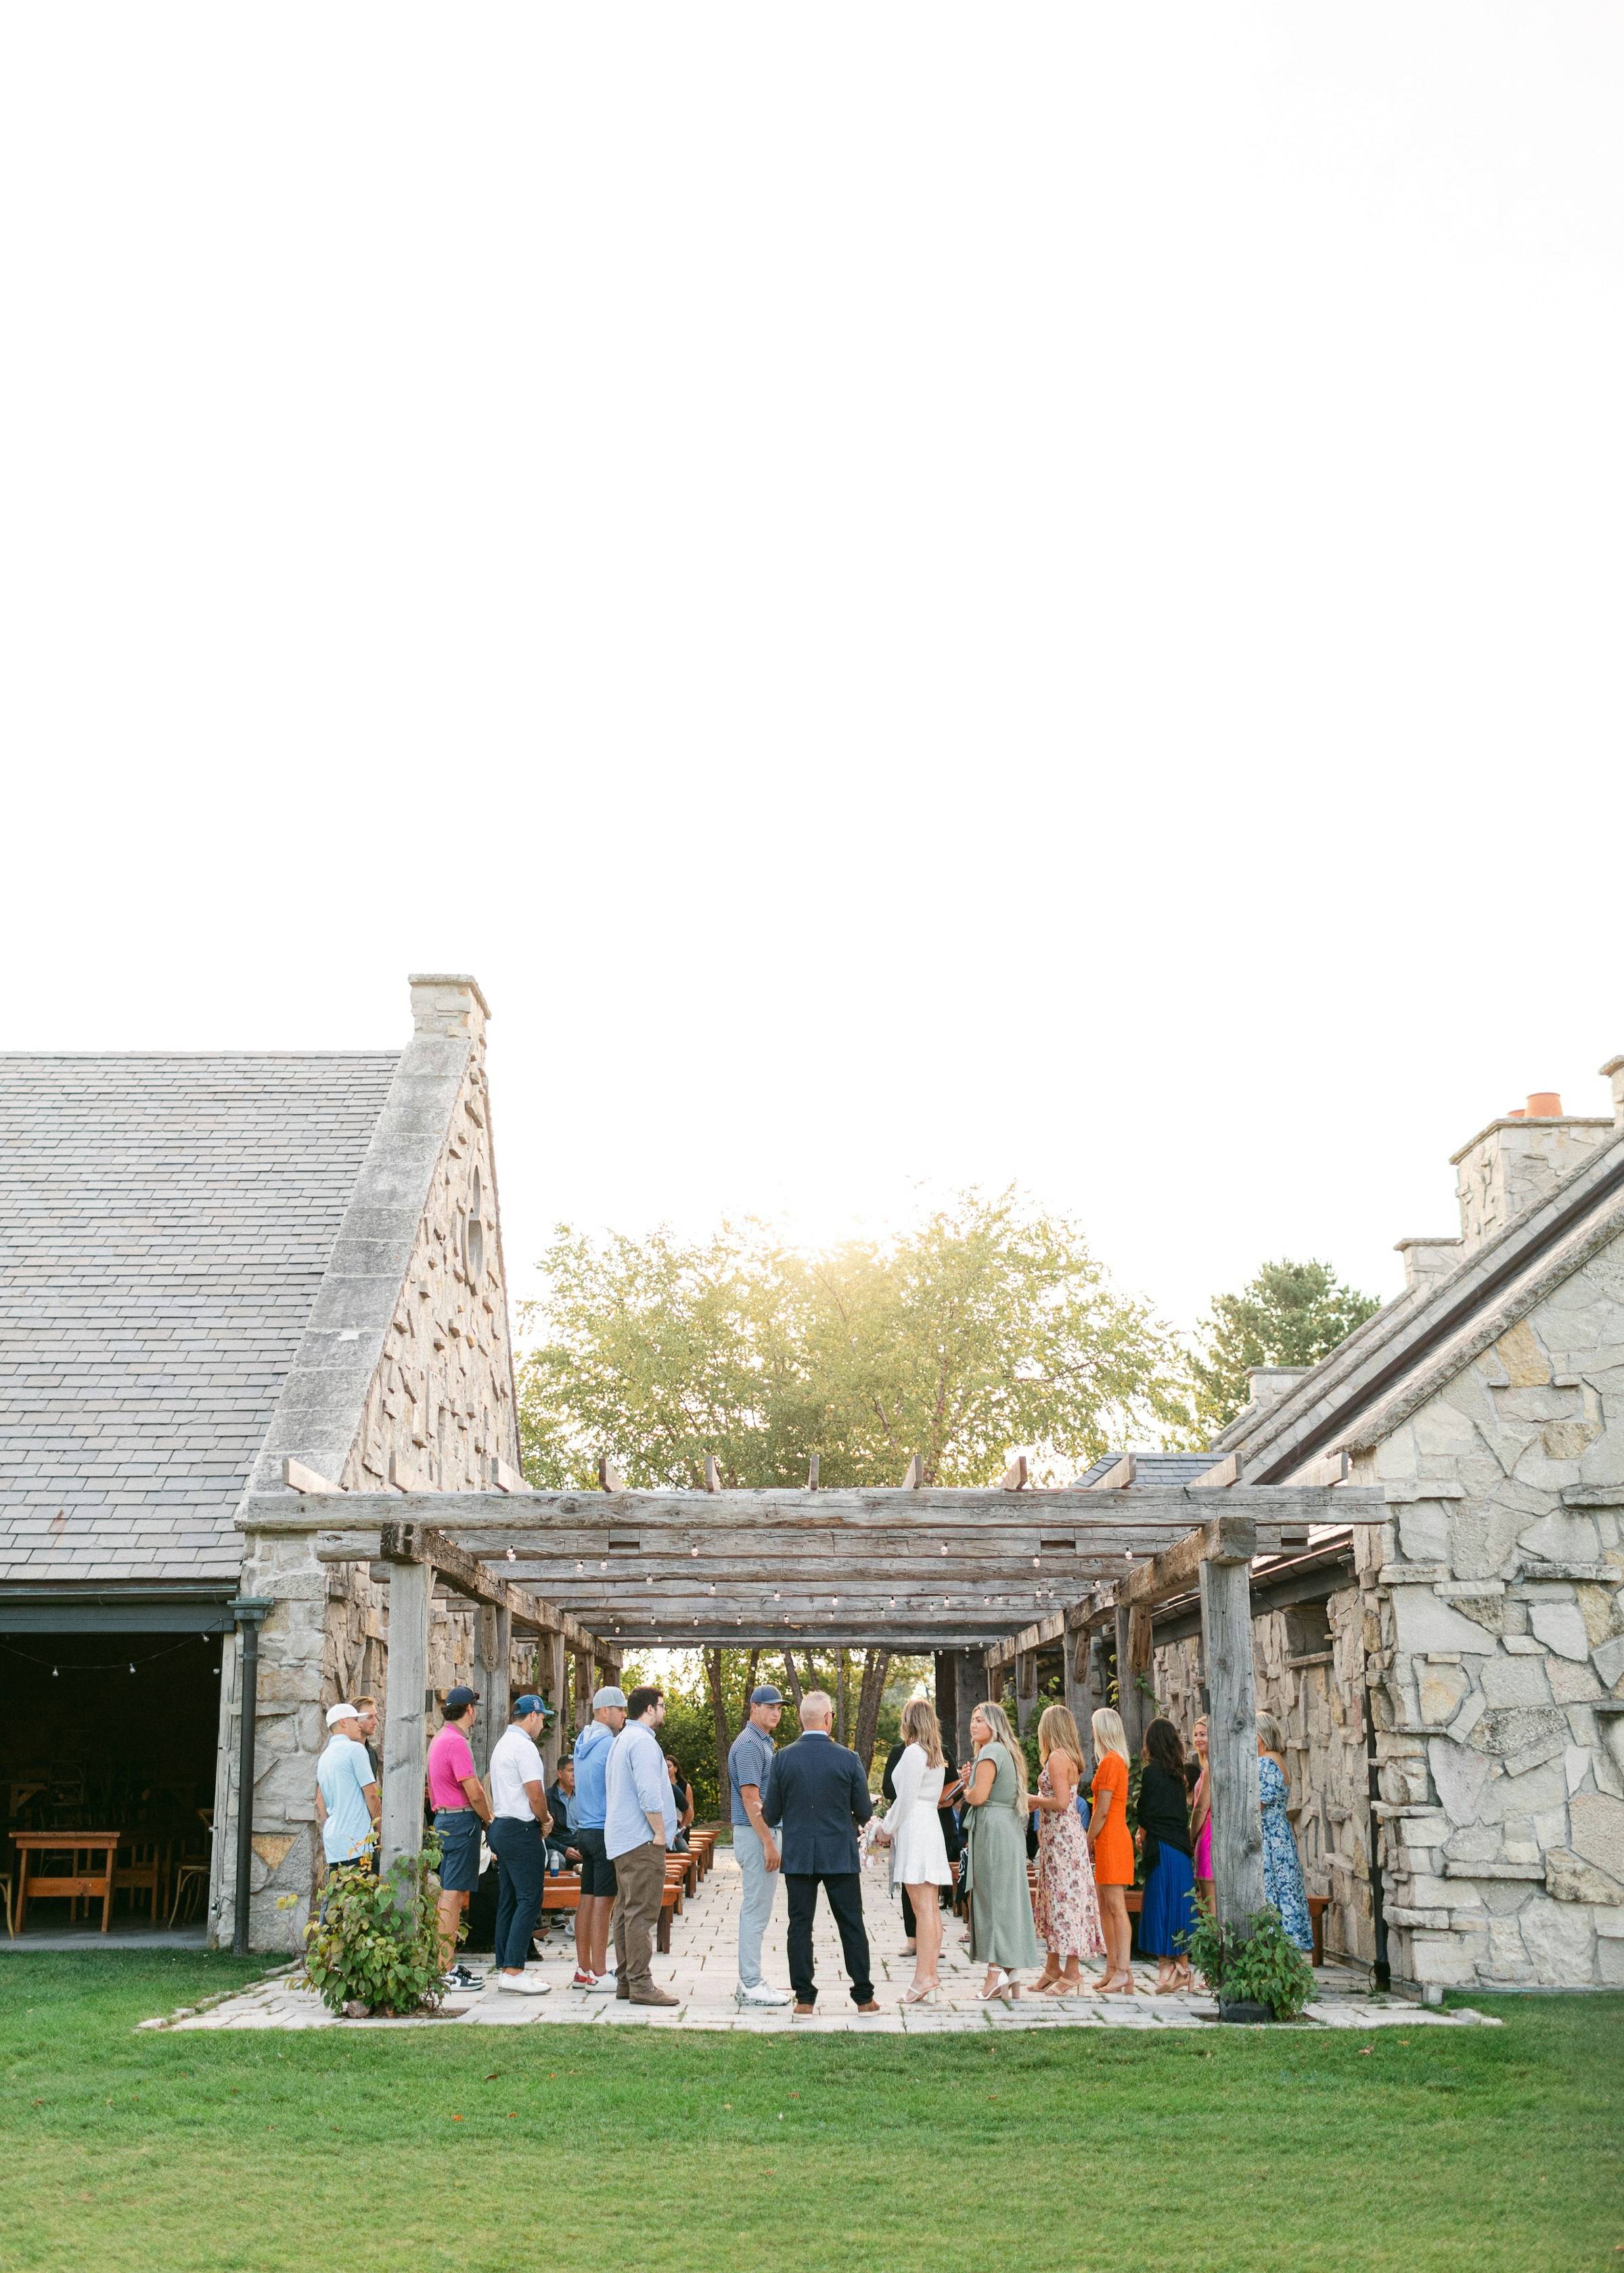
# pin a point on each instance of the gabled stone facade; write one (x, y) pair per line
(1489, 1402)
(404, 1380)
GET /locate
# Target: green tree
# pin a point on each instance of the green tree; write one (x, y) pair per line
(1291, 1314)
(987, 1328)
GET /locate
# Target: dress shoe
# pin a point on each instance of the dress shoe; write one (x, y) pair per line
(804, 2011)
(654, 1997)
(870, 2007)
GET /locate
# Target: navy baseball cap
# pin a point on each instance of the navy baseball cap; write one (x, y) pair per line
(459, 1700)
(766, 1695)
(530, 1704)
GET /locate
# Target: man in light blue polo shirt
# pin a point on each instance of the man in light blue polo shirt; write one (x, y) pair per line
(754, 1849)
(597, 1872)
(347, 1801)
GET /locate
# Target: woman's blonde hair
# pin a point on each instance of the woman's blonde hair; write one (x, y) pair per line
(1110, 1736)
(1268, 1733)
(921, 1727)
(1057, 1732)
(997, 1720)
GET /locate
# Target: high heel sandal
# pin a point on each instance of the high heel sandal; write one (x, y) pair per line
(1127, 1987)
(1003, 1987)
(921, 1993)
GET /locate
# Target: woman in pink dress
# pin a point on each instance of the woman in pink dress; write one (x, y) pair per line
(1065, 1907)
(1201, 1817)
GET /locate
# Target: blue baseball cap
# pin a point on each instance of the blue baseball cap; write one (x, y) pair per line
(766, 1695)
(459, 1700)
(523, 1704)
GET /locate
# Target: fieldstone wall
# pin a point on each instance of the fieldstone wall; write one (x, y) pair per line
(1310, 1671)
(416, 1284)
(1498, 1660)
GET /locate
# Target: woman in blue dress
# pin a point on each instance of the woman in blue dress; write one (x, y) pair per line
(1283, 1871)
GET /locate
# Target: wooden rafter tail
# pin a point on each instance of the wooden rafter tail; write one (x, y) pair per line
(609, 1475)
(1013, 1478)
(298, 1478)
(811, 1473)
(913, 1479)
(1118, 1477)
(713, 1473)
(1223, 1477)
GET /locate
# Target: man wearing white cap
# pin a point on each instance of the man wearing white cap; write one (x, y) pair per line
(347, 1800)
(587, 1818)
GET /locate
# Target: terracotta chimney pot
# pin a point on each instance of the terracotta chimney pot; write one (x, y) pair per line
(1544, 1105)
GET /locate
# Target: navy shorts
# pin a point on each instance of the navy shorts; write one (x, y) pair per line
(458, 1829)
(597, 1872)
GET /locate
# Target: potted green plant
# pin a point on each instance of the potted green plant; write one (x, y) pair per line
(374, 1943)
(1257, 1972)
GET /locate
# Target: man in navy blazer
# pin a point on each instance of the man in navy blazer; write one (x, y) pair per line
(818, 1789)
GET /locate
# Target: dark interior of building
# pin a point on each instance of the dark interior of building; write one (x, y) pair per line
(111, 1731)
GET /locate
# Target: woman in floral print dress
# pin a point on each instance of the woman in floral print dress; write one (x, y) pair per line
(1065, 1907)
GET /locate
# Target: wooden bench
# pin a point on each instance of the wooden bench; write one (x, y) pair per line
(563, 1893)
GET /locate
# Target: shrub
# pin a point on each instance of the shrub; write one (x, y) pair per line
(375, 1940)
(1257, 1962)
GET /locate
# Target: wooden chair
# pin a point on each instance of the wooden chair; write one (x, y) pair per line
(5, 1885)
(144, 1871)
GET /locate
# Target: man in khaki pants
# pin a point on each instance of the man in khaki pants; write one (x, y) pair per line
(639, 1823)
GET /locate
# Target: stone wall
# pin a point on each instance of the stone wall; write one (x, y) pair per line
(1309, 1662)
(1498, 1663)
(417, 1278)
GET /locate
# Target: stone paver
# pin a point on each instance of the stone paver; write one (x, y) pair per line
(700, 1972)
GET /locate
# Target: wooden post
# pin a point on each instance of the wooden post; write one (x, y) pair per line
(583, 1697)
(558, 1696)
(969, 1690)
(1026, 1688)
(411, 1588)
(1232, 1740)
(794, 1679)
(947, 1701)
(875, 1664)
(1140, 1673)
(1078, 1701)
(840, 1696)
(493, 1632)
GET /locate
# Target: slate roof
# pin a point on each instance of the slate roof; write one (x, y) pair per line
(1150, 1468)
(165, 1225)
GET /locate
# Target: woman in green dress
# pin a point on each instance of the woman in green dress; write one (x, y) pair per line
(1002, 1935)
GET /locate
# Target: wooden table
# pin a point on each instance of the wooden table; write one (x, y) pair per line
(55, 1884)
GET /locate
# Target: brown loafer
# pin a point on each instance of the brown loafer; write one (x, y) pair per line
(804, 2011)
(870, 2007)
(655, 1997)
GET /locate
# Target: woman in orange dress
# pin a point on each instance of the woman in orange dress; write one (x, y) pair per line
(1112, 1850)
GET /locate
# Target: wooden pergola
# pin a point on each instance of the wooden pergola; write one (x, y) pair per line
(983, 1579)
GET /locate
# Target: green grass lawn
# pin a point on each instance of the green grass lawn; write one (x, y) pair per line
(482, 2150)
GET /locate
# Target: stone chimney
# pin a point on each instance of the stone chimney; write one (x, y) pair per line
(1614, 1071)
(1515, 1161)
(448, 1002)
(1427, 1260)
(1268, 1383)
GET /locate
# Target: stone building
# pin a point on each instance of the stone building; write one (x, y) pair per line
(1481, 1626)
(215, 1265)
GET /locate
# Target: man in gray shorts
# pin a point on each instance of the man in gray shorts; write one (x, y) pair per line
(588, 1810)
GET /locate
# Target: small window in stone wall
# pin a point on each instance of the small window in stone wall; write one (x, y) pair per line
(475, 1233)
(1307, 1630)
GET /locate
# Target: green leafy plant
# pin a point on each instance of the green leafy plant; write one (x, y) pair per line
(375, 1940)
(1257, 1964)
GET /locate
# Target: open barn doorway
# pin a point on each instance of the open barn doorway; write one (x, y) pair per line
(113, 1730)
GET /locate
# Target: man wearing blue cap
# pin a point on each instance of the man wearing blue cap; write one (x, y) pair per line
(754, 1849)
(519, 1819)
(586, 1821)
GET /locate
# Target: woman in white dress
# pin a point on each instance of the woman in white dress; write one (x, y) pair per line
(914, 1834)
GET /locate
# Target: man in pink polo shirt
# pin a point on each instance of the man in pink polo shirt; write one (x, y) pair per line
(460, 1804)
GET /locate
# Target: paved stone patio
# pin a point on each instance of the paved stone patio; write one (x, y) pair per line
(700, 1972)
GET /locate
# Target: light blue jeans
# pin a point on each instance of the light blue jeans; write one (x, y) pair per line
(756, 1909)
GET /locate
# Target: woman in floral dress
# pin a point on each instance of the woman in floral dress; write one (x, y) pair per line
(1282, 1870)
(1065, 1907)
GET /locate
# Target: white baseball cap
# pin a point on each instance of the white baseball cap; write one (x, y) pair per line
(337, 1713)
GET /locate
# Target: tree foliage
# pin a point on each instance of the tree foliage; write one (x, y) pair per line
(987, 1328)
(1291, 1314)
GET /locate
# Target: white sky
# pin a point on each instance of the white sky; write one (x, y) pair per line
(923, 593)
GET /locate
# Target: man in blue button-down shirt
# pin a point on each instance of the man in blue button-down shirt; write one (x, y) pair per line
(755, 1850)
(639, 1823)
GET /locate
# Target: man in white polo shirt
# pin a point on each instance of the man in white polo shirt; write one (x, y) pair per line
(519, 1819)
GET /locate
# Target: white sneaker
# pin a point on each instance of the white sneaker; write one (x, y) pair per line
(526, 1984)
(604, 1986)
(762, 1993)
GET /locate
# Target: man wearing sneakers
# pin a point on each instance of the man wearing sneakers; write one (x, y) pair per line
(754, 1849)
(587, 1813)
(460, 1804)
(519, 1799)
